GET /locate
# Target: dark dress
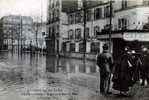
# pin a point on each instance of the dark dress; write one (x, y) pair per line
(124, 70)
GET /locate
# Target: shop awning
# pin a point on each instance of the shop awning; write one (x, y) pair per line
(128, 35)
(136, 36)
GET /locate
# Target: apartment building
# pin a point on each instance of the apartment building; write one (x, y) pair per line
(58, 23)
(129, 21)
(16, 30)
(56, 26)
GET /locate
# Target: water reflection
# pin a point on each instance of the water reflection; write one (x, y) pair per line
(34, 71)
(29, 67)
(69, 65)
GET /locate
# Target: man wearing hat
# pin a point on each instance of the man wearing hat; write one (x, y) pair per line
(145, 65)
(104, 62)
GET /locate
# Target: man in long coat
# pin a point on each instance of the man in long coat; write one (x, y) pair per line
(145, 66)
(104, 62)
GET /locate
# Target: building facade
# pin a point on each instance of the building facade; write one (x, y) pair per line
(17, 31)
(57, 25)
(128, 22)
(40, 30)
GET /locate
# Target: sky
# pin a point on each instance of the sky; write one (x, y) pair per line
(34, 8)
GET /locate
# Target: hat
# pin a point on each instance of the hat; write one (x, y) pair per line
(127, 48)
(105, 47)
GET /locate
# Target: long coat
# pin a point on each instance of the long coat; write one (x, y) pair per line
(145, 64)
(123, 73)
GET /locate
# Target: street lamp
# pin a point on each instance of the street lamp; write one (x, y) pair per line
(84, 25)
(110, 28)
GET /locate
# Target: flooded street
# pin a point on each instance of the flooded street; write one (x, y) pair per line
(37, 77)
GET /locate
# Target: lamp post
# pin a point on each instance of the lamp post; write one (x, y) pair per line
(110, 28)
(84, 25)
(21, 33)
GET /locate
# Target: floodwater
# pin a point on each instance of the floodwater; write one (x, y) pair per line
(37, 77)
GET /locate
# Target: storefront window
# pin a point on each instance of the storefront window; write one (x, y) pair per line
(95, 47)
(64, 46)
(72, 47)
(81, 47)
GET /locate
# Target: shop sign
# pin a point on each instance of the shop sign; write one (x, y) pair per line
(136, 36)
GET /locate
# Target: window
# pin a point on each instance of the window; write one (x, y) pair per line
(95, 47)
(124, 4)
(64, 46)
(98, 13)
(70, 34)
(57, 30)
(71, 19)
(57, 14)
(50, 34)
(53, 15)
(107, 27)
(145, 2)
(88, 15)
(52, 4)
(96, 30)
(87, 32)
(57, 2)
(53, 31)
(79, 17)
(78, 33)
(107, 11)
(122, 23)
(72, 47)
(81, 47)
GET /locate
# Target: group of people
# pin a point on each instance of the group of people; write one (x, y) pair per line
(129, 69)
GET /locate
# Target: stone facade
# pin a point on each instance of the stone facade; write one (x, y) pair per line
(16, 31)
(126, 15)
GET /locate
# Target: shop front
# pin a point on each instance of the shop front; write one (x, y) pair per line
(132, 38)
(75, 49)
